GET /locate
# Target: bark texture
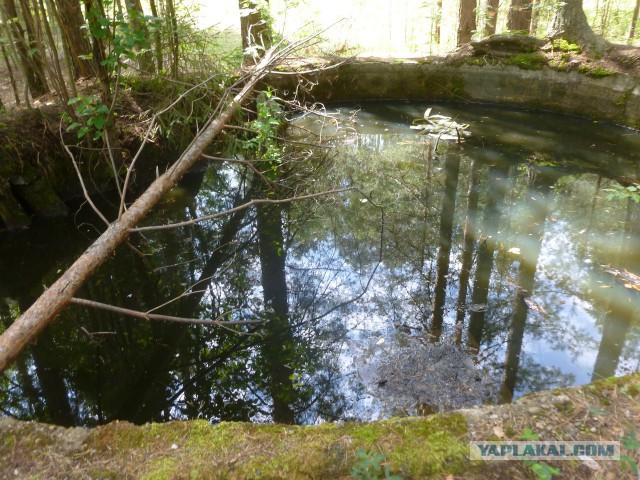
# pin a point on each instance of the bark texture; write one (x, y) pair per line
(519, 17)
(467, 25)
(570, 23)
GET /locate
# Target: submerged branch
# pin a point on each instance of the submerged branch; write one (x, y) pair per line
(156, 316)
(251, 203)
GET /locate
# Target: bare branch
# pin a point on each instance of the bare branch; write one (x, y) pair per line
(156, 316)
(79, 174)
(251, 203)
(28, 326)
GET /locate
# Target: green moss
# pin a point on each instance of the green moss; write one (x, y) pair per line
(161, 469)
(120, 435)
(566, 408)
(564, 46)
(102, 474)
(624, 98)
(595, 72)
(476, 61)
(438, 447)
(413, 446)
(368, 434)
(633, 390)
(527, 61)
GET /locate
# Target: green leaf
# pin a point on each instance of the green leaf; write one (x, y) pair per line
(529, 435)
(83, 131)
(73, 126)
(544, 471)
(630, 442)
(630, 463)
(103, 109)
(98, 122)
(597, 411)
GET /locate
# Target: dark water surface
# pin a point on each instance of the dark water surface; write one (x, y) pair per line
(453, 274)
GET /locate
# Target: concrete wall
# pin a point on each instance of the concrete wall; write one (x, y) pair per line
(615, 98)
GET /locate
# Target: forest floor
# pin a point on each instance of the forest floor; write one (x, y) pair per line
(435, 446)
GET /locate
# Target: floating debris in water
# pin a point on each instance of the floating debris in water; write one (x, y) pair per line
(411, 376)
(629, 279)
(440, 126)
(478, 307)
(532, 305)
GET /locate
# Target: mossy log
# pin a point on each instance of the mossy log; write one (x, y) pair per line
(507, 44)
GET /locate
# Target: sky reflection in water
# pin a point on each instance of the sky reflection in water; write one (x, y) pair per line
(375, 323)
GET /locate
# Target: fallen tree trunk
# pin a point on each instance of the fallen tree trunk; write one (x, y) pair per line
(29, 325)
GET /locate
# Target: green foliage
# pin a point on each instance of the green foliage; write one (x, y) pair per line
(543, 471)
(564, 46)
(619, 192)
(369, 466)
(93, 112)
(127, 34)
(192, 108)
(264, 144)
(630, 443)
(529, 435)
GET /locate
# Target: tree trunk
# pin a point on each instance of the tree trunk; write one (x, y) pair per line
(12, 78)
(253, 27)
(519, 17)
(157, 38)
(634, 22)
(33, 74)
(492, 17)
(467, 25)
(570, 23)
(535, 215)
(535, 15)
(496, 191)
(145, 59)
(438, 21)
(174, 39)
(604, 16)
(36, 49)
(27, 328)
(56, 75)
(470, 229)
(278, 346)
(452, 169)
(95, 14)
(71, 22)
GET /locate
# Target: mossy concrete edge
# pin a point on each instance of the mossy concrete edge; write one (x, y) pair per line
(421, 447)
(614, 98)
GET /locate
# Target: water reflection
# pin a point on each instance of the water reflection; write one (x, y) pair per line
(466, 273)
